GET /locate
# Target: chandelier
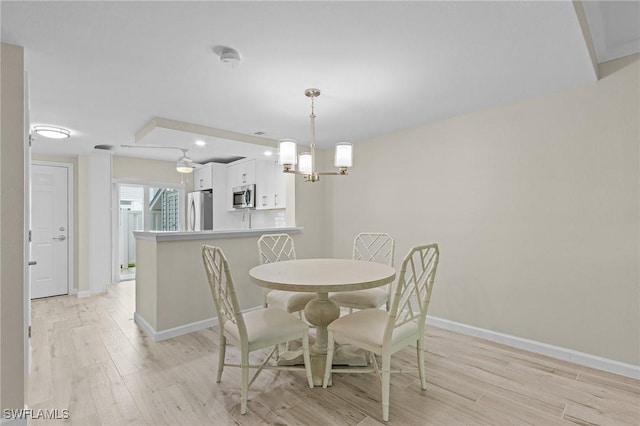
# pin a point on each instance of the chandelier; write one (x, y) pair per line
(306, 161)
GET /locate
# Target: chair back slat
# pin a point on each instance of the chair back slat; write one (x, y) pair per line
(415, 283)
(222, 288)
(374, 247)
(275, 248)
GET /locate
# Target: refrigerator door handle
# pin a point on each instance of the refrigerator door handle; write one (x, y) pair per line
(192, 215)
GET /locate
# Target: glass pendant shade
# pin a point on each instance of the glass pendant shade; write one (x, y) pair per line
(305, 161)
(288, 152)
(344, 155)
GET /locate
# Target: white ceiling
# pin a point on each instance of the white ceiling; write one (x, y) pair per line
(105, 69)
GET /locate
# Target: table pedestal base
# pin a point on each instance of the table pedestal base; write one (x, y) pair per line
(318, 364)
(345, 355)
(350, 355)
(320, 312)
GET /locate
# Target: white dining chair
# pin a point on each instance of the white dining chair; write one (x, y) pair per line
(276, 248)
(250, 331)
(370, 247)
(385, 333)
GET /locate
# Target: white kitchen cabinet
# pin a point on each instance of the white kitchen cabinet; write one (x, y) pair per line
(270, 186)
(203, 178)
(280, 194)
(241, 172)
(265, 185)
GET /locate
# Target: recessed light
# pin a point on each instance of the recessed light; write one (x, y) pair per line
(268, 153)
(200, 143)
(259, 133)
(51, 132)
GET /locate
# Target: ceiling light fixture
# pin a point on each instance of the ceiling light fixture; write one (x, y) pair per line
(51, 132)
(184, 164)
(307, 160)
(200, 143)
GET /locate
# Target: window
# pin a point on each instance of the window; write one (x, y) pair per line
(164, 209)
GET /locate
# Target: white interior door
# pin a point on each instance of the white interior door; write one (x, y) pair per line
(50, 230)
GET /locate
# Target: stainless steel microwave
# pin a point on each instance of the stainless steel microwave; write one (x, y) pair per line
(244, 197)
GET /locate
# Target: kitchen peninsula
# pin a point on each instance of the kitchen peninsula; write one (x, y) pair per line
(172, 291)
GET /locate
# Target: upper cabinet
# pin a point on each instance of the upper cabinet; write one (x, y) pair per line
(268, 178)
(241, 172)
(203, 178)
(270, 186)
(280, 195)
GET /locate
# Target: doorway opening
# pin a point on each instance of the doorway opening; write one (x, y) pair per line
(143, 207)
(131, 218)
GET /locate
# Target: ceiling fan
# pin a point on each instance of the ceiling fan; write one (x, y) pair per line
(184, 164)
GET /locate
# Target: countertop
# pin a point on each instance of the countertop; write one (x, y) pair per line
(208, 235)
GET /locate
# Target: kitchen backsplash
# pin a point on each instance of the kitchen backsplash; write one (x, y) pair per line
(259, 219)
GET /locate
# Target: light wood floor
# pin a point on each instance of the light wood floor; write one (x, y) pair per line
(88, 356)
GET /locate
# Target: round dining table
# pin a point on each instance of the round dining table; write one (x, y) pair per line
(321, 276)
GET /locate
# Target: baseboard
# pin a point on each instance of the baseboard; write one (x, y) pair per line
(145, 326)
(564, 354)
(172, 332)
(83, 293)
(177, 331)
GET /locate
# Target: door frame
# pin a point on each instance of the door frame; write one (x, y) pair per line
(71, 288)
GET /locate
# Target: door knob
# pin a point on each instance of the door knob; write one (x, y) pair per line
(60, 238)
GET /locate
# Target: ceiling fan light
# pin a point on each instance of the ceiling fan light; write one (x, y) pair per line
(184, 165)
(52, 132)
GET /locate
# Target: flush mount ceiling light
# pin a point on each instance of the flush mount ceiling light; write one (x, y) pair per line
(307, 160)
(51, 132)
(184, 164)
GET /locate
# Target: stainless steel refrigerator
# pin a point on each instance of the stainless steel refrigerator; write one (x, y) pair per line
(200, 211)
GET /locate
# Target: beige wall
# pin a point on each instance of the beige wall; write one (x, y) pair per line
(82, 249)
(153, 171)
(12, 391)
(311, 202)
(535, 206)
